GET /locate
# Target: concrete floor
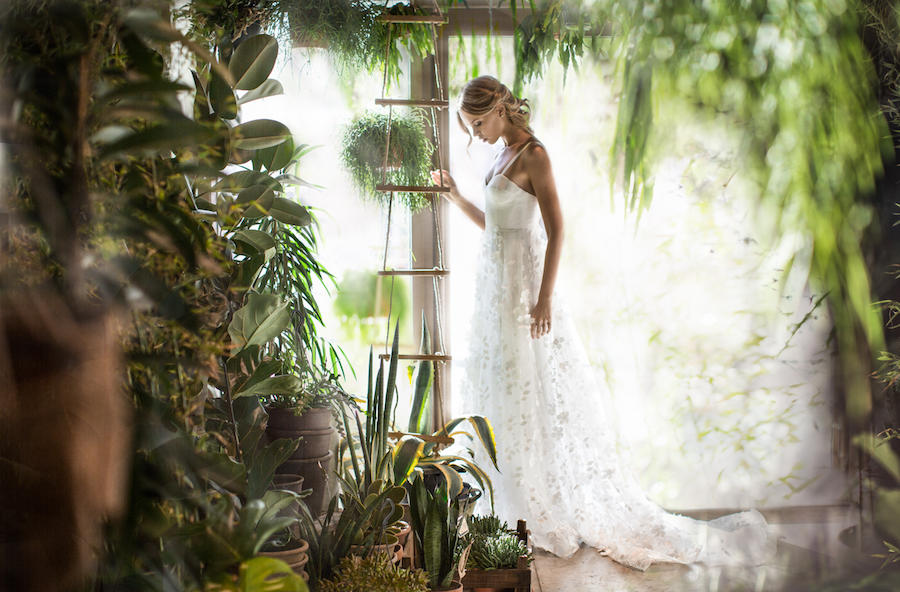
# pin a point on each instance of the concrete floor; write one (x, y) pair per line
(809, 553)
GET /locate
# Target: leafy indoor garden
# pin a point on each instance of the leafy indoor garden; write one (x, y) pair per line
(151, 226)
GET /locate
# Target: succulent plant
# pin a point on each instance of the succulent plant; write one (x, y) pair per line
(498, 551)
(486, 525)
(374, 573)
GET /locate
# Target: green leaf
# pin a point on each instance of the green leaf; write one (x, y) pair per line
(270, 575)
(451, 478)
(261, 242)
(263, 464)
(289, 212)
(260, 133)
(420, 413)
(258, 200)
(485, 433)
(880, 452)
(260, 320)
(433, 543)
(268, 88)
(276, 157)
(252, 61)
(887, 512)
(222, 98)
(407, 453)
(237, 182)
(274, 385)
(160, 138)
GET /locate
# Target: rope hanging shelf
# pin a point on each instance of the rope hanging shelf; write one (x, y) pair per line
(438, 271)
(418, 357)
(422, 19)
(432, 103)
(388, 188)
(415, 272)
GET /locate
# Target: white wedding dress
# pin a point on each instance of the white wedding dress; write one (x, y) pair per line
(562, 469)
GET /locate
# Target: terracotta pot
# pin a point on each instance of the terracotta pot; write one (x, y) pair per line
(405, 529)
(295, 557)
(287, 481)
(313, 443)
(285, 420)
(315, 472)
(392, 549)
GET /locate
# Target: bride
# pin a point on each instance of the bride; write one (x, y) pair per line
(563, 469)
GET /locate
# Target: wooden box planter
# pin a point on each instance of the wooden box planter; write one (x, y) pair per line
(517, 579)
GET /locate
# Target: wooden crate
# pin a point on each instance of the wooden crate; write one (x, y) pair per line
(518, 578)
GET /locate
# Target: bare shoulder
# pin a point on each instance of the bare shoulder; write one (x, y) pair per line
(537, 155)
(537, 158)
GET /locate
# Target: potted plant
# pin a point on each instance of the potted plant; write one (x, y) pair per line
(499, 559)
(408, 161)
(289, 548)
(436, 520)
(353, 33)
(364, 574)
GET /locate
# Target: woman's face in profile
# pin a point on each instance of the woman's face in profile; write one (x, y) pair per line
(487, 127)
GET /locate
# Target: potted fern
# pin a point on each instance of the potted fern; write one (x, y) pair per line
(407, 163)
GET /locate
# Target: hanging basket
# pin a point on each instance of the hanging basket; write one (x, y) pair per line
(408, 159)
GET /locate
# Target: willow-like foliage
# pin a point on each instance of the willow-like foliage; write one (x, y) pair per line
(799, 85)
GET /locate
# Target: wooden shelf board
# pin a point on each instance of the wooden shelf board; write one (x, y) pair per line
(415, 102)
(413, 188)
(421, 357)
(437, 19)
(415, 272)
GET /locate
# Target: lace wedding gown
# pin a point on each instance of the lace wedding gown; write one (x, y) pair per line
(562, 469)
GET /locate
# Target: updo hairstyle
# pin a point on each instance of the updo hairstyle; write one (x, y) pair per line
(482, 94)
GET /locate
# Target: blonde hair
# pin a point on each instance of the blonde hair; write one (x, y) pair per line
(482, 94)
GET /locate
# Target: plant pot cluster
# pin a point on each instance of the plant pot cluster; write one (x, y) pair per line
(312, 460)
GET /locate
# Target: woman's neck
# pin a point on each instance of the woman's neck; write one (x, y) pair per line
(515, 136)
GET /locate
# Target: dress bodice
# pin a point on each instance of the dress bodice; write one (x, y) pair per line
(506, 205)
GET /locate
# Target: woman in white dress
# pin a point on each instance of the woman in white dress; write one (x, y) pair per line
(563, 469)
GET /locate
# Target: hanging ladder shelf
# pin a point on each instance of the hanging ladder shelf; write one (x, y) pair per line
(434, 103)
(416, 272)
(437, 19)
(420, 357)
(412, 188)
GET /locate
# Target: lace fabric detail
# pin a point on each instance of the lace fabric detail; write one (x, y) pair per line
(563, 468)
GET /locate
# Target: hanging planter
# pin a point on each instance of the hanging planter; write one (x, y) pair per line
(408, 162)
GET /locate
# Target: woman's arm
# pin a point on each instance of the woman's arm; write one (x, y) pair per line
(541, 173)
(469, 209)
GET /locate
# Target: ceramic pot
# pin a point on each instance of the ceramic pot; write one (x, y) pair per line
(313, 443)
(295, 557)
(285, 420)
(454, 587)
(315, 473)
(287, 481)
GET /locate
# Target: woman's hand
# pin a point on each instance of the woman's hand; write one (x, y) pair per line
(448, 180)
(540, 319)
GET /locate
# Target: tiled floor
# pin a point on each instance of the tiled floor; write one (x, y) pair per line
(808, 553)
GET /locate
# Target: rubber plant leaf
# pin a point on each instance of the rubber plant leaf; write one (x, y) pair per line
(259, 133)
(268, 88)
(259, 321)
(252, 61)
